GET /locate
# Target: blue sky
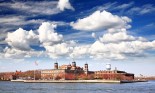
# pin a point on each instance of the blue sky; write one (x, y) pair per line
(95, 31)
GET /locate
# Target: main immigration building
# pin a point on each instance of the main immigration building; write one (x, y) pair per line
(74, 72)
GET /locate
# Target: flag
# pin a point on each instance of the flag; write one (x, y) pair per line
(36, 63)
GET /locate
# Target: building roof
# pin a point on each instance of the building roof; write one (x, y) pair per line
(70, 67)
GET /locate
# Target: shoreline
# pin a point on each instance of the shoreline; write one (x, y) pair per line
(78, 81)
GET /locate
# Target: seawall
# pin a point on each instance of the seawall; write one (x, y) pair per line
(72, 81)
(78, 81)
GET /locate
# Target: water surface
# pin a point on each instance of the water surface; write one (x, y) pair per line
(20, 87)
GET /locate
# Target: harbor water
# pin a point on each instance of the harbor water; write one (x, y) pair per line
(20, 87)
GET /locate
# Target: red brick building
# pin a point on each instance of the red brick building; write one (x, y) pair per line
(69, 72)
(65, 72)
(73, 72)
(6, 75)
(113, 75)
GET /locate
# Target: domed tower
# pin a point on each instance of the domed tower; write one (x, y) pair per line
(86, 68)
(56, 65)
(73, 64)
(108, 66)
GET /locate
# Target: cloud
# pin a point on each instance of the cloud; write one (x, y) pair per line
(119, 46)
(129, 8)
(121, 50)
(1, 49)
(145, 9)
(8, 19)
(53, 42)
(34, 8)
(20, 42)
(14, 53)
(101, 20)
(21, 39)
(81, 36)
(116, 42)
(106, 6)
(9, 23)
(80, 51)
(115, 7)
(59, 50)
(18, 21)
(47, 34)
(24, 14)
(116, 37)
(93, 35)
(64, 4)
(2, 38)
(124, 6)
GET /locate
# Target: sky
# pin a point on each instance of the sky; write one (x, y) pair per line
(96, 32)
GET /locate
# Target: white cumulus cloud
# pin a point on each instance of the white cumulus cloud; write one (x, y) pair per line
(47, 34)
(59, 50)
(20, 54)
(121, 50)
(64, 4)
(53, 42)
(80, 51)
(114, 44)
(21, 39)
(116, 37)
(101, 20)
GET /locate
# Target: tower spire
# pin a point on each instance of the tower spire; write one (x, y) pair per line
(86, 68)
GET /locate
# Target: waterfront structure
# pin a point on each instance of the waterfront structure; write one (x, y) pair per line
(27, 75)
(109, 74)
(69, 72)
(46, 74)
(66, 72)
(113, 75)
(73, 72)
(16, 75)
(10, 75)
(6, 75)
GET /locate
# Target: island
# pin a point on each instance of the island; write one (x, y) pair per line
(71, 73)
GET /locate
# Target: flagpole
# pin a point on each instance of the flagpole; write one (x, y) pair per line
(34, 74)
(36, 64)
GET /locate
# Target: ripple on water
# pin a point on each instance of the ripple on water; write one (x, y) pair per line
(12, 87)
